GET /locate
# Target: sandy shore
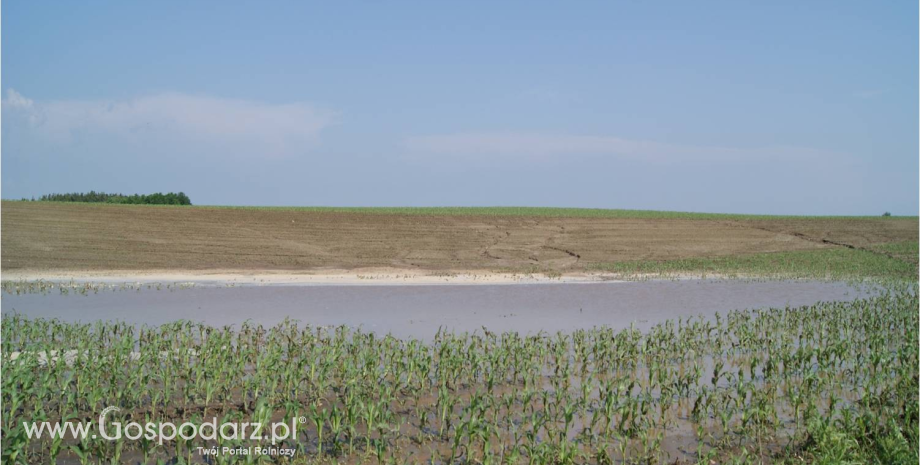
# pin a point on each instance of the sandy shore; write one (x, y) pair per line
(364, 276)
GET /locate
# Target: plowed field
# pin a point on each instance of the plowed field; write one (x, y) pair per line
(46, 236)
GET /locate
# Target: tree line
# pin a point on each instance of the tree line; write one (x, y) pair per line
(158, 198)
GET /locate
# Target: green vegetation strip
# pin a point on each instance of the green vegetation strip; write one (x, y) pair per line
(907, 251)
(828, 383)
(825, 264)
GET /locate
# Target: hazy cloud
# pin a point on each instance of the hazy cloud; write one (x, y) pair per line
(168, 118)
(548, 146)
(867, 94)
(545, 95)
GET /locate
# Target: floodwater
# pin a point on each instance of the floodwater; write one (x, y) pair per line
(419, 310)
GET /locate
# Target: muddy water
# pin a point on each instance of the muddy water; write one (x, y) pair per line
(419, 310)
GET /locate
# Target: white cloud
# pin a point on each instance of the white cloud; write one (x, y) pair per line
(16, 100)
(165, 118)
(549, 146)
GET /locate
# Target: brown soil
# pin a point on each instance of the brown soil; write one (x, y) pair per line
(48, 236)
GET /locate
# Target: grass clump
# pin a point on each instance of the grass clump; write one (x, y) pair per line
(858, 441)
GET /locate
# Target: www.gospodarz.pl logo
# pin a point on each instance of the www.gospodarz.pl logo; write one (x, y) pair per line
(162, 432)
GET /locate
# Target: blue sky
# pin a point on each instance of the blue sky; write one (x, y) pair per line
(768, 107)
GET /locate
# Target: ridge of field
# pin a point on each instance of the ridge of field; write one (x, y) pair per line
(561, 212)
(86, 236)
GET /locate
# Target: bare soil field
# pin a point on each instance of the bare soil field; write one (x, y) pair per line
(56, 236)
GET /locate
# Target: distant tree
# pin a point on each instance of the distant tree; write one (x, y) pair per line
(157, 198)
(886, 214)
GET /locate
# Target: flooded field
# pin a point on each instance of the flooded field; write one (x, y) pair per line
(748, 386)
(418, 311)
